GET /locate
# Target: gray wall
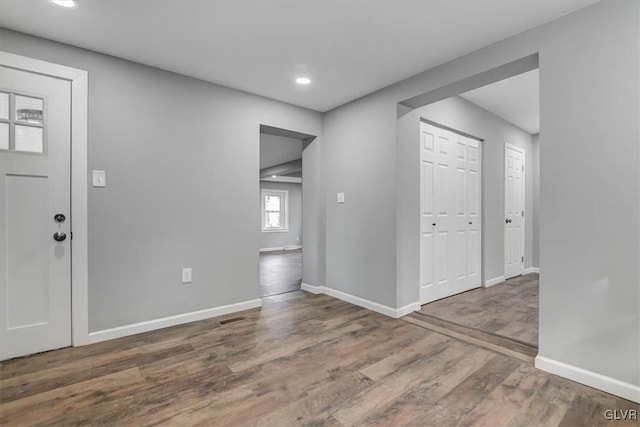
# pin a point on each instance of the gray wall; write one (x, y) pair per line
(170, 145)
(313, 213)
(271, 239)
(589, 241)
(463, 115)
(535, 145)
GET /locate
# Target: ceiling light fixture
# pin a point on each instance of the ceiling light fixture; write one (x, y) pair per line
(303, 80)
(274, 176)
(69, 4)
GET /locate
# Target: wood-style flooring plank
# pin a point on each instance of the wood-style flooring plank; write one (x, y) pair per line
(509, 309)
(301, 359)
(280, 272)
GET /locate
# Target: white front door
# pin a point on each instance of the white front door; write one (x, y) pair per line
(514, 211)
(35, 243)
(449, 213)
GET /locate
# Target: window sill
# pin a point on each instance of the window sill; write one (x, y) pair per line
(279, 230)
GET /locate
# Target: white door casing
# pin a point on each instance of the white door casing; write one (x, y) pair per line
(514, 196)
(450, 216)
(35, 268)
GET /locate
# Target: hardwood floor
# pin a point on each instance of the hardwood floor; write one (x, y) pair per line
(496, 343)
(300, 360)
(280, 272)
(509, 309)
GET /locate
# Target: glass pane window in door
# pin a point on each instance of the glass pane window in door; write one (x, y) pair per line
(4, 136)
(29, 138)
(30, 110)
(4, 106)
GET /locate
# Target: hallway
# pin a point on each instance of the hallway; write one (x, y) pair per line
(509, 309)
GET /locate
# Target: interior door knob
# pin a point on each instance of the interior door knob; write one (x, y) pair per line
(59, 236)
(59, 218)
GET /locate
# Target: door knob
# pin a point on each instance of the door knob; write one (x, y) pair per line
(59, 236)
(507, 220)
(434, 224)
(59, 218)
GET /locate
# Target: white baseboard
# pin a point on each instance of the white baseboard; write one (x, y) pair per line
(281, 248)
(601, 382)
(312, 289)
(361, 302)
(494, 281)
(530, 270)
(408, 309)
(276, 249)
(165, 322)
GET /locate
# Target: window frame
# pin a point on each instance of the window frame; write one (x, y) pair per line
(284, 210)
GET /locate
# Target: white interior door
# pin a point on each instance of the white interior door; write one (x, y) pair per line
(449, 213)
(514, 210)
(468, 206)
(35, 279)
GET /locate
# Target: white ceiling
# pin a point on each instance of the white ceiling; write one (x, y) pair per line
(348, 47)
(517, 100)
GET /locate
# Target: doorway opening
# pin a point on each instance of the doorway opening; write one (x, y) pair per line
(281, 240)
(482, 280)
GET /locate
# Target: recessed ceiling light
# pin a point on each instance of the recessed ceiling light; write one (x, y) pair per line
(274, 176)
(303, 80)
(66, 3)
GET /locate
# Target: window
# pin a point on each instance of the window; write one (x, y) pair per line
(21, 123)
(275, 207)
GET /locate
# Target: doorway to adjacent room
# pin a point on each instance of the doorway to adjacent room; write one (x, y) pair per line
(281, 240)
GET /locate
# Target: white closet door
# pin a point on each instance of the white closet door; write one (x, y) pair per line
(467, 213)
(514, 211)
(449, 213)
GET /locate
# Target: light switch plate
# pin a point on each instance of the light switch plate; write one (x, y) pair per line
(99, 178)
(187, 275)
(340, 198)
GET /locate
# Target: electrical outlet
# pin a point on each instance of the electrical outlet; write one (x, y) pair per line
(340, 198)
(186, 275)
